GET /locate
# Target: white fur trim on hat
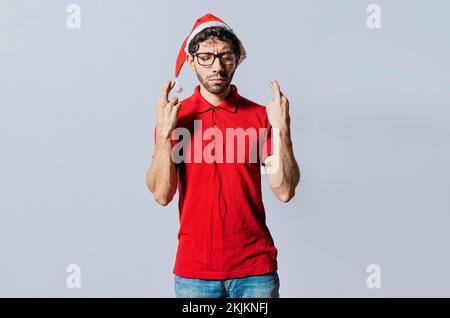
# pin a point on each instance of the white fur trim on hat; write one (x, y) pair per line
(200, 28)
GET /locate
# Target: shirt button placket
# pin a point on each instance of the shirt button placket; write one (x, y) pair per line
(214, 109)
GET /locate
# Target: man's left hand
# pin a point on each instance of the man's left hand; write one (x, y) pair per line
(278, 108)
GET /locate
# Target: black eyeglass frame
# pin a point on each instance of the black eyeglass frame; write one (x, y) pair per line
(219, 56)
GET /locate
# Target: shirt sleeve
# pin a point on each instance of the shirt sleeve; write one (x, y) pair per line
(267, 146)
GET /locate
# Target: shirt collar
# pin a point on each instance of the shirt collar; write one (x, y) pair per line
(199, 104)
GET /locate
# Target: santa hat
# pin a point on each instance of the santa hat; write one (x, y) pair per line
(206, 21)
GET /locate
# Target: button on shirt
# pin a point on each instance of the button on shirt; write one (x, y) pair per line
(223, 232)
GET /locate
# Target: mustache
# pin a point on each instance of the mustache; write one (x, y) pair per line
(216, 76)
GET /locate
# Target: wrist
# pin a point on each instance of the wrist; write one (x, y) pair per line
(284, 135)
(282, 131)
(162, 138)
(163, 131)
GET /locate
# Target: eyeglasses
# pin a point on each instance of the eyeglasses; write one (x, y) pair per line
(208, 59)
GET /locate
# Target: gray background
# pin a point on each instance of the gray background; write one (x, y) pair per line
(370, 124)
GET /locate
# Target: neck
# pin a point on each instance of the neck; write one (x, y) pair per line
(214, 99)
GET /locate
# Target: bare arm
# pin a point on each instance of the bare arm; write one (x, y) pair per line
(281, 167)
(161, 176)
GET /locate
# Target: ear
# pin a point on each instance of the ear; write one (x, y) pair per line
(237, 59)
(190, 61)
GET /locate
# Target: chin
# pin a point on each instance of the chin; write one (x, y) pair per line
(217, 89)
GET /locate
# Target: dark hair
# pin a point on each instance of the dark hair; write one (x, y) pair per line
(215, 32)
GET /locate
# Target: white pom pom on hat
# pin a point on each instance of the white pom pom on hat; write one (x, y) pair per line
(177, 87)
(206, 21)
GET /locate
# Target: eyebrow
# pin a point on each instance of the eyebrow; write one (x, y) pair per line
(227, 51)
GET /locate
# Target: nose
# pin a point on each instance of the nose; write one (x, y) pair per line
(217, 66)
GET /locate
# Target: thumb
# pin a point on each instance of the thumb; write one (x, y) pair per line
(174, 101)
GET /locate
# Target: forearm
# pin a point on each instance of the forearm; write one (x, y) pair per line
(285, 174)
(162, 177)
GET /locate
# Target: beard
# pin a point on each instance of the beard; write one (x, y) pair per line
(216, 87)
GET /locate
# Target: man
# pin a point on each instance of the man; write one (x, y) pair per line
(225, 248)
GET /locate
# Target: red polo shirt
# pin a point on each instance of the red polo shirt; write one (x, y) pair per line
(223, 233)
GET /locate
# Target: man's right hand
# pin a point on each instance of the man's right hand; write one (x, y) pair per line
(166, 113)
